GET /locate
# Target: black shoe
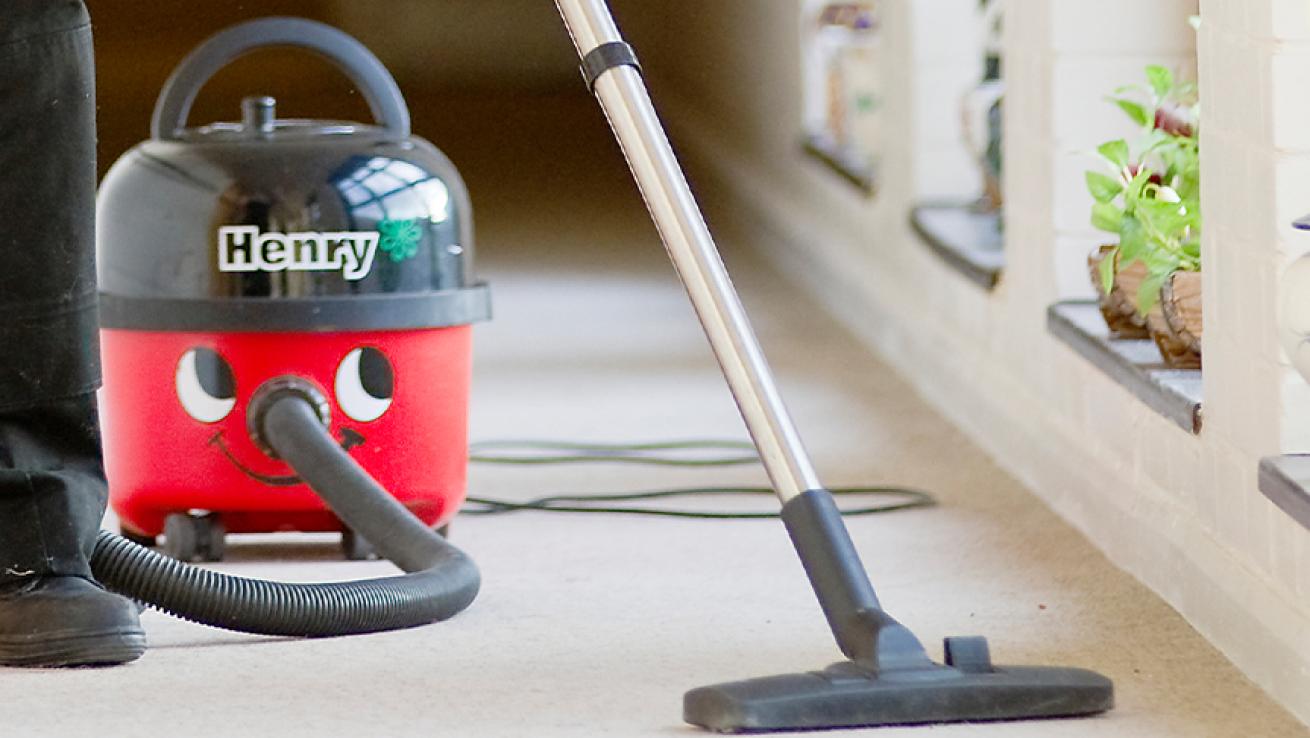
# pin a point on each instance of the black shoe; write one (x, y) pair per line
(67, 621)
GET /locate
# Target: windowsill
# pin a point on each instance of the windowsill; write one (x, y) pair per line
(1285, 480)
(969, 241)
(1135, 364)
(851, 165)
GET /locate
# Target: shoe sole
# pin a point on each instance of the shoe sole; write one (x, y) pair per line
(82, 649)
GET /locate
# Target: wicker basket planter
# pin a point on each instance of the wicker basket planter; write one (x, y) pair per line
(1175, 324)
(1119, 307)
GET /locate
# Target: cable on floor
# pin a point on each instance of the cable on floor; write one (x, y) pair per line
(689, 453)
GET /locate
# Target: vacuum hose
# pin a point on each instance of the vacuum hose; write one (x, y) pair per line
(441, 580)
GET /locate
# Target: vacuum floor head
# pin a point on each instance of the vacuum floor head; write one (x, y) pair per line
(847, 695)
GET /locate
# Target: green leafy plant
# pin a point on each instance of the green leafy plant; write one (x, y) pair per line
(1151, 194)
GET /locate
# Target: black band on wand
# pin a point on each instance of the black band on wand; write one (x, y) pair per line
(606, 57)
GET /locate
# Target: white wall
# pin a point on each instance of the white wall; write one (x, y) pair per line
(948, 62)
(1181, 512)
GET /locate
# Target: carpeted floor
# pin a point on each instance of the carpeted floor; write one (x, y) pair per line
(596, 625)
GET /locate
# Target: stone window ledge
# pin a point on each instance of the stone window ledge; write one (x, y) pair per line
(1135, 364)
(1285, 480)
(851, 165)
(969, 241)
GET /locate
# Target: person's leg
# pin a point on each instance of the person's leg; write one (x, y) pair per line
(52, 487)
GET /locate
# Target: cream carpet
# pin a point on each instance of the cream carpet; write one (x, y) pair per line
(597, 625)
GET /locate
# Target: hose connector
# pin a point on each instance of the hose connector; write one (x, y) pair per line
(276, 389)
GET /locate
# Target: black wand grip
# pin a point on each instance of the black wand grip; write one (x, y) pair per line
(864, 632)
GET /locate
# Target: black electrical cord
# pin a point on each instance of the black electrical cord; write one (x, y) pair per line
(659, 453)
(690, 453)
(440, 580)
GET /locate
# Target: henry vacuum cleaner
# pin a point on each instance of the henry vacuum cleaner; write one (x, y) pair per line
(244, 262)
(888, 677)
(286, 310)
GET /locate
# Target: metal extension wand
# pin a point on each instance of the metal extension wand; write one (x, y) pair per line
(889, 678)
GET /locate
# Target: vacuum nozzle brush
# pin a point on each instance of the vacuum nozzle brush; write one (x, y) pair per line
(888, 678)
(847, 695)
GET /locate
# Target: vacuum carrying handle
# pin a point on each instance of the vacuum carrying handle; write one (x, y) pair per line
(368, 74)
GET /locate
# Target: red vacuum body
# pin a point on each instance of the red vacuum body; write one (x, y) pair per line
(236, 258)
(163, 459)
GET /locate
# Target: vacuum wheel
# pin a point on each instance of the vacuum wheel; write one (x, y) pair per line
(139, 539)
(190, 537)
(355, 547)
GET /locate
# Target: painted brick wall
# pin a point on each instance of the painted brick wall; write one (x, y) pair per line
(947, 64)
(1181, 512)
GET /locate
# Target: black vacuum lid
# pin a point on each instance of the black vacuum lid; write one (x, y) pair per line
(273, 224)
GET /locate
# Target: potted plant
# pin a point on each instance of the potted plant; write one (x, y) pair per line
(1150, 278)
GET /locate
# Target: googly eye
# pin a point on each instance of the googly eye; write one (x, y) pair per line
(365, 384)
(205, 385)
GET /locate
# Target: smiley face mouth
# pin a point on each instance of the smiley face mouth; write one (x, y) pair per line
(349, 439)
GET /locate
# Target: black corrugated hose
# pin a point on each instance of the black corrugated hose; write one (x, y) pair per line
(441, 580)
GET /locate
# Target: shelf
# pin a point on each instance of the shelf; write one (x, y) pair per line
(1135, 364)
(1285, 480)
(853, 166)
(969, 241)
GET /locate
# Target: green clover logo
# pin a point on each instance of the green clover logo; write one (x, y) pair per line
(400, 238)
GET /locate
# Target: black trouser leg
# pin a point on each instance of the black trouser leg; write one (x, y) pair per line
(52, 492)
